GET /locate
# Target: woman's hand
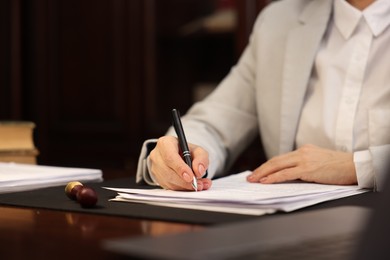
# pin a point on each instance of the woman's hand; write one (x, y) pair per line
(308, 163)
(171, 172)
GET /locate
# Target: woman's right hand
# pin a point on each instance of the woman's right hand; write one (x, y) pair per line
(171, 172)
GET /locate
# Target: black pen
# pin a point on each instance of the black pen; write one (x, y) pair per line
(183, 142)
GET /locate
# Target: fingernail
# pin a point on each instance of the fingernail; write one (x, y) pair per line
(264, 179)
(250, 178)
(201, 169)
(187, 177)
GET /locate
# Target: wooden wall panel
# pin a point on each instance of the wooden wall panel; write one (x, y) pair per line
(4, 57)
(10, 60)
(85, 80)
(99, 77)
(180, 61)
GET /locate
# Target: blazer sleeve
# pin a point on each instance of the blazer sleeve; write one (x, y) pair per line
(225, 122)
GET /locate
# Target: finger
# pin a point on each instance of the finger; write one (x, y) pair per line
(164, 175)
(168, 179)
(183, 187)
(273, 165)
(203, 184)
(206, 183)
(199, 185)
(284, 175)
(200, 160)
(171, 180)
(169, 153)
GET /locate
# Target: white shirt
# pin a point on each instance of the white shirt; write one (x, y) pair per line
(348, 99)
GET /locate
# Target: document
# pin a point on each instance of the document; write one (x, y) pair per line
(233, 194)
(21, 177)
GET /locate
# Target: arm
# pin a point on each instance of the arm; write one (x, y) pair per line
(223, 124)
(310, 163)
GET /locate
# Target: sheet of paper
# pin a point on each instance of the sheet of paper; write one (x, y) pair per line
(21, 177)
(245, 209)
(235, 209)
(235, 195)
(235, 188)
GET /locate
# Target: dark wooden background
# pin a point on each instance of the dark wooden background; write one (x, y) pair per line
(99, 77)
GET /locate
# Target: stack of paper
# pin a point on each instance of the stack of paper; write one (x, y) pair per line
(21, 177)
(233, 194)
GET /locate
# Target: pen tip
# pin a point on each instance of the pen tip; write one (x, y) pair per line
(195, 184)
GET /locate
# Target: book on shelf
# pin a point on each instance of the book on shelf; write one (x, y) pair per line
(19, 156)
(17, 142)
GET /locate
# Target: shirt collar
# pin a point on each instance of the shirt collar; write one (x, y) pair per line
(376, 15)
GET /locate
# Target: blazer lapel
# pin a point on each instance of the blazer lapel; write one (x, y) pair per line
(302, 45)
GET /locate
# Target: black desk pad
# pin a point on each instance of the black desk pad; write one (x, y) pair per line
(54, 198)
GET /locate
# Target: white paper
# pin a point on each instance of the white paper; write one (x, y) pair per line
(236, 209)
(21, 177)
(235, 195)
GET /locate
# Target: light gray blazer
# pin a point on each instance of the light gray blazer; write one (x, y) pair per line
(264, 92)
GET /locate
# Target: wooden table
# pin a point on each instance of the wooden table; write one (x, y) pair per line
(32, 233)
(39, 234)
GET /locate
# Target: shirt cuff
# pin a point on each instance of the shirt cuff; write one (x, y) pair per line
(143, 173)
(151, 175)
(364, 169)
